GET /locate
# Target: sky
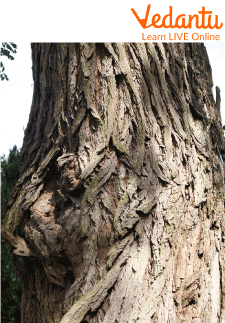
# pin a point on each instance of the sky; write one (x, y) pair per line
(16, 94)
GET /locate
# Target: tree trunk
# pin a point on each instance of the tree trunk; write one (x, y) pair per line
(119, 209)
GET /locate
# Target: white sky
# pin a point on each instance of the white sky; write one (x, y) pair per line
(16, 94)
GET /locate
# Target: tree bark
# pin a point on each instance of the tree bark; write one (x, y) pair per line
(120, 202)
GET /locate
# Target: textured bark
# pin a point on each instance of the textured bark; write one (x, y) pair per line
(120, 202)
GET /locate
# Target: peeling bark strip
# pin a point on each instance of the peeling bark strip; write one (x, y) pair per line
(121, 196)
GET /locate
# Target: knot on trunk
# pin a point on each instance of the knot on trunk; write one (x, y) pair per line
(69, 168)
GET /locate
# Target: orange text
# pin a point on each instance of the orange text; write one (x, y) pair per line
(201, 20)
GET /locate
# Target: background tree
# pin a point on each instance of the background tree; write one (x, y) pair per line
(7, 50)
(11, 285)
(121, 193)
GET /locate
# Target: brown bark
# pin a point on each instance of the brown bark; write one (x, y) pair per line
(121, 194)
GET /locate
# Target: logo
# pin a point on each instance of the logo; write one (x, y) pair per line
(201, 20)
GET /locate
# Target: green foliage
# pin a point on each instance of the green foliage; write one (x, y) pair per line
(11, 285)
(6, 50)
(10, 171)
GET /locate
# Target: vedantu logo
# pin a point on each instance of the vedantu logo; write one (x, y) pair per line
(201, 20)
